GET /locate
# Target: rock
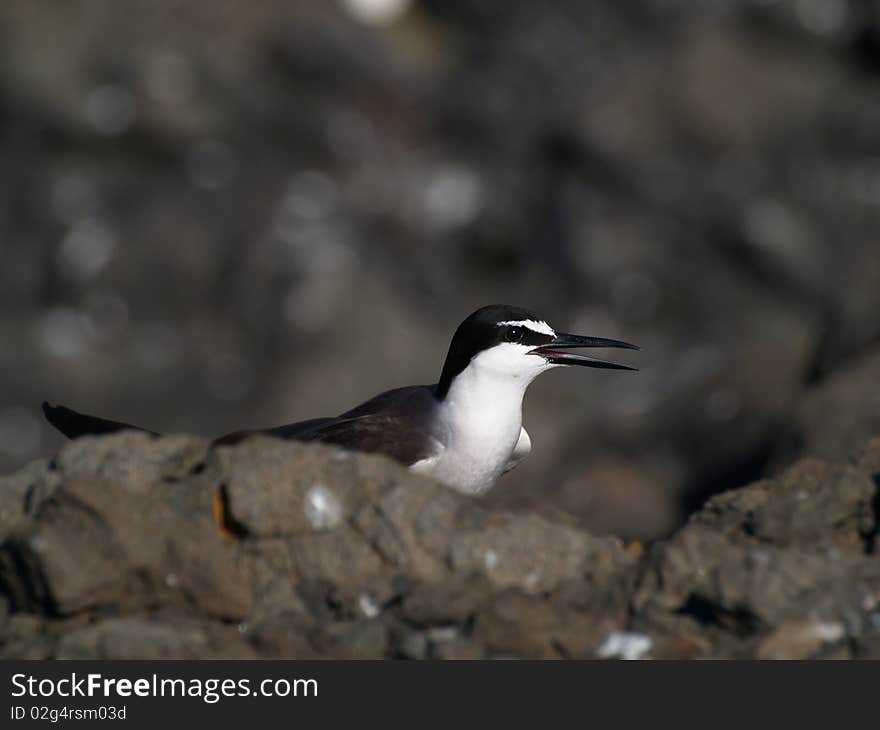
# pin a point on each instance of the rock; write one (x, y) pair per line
(24, 637)
(412, 645)
(276, 598)
(532, 554)
(284, 637)
(437, 642)
(339, 516)
(743, 586)
(444, 603)
(625, 645)
(123, 638)
(787, 552)
(412, 528)
(801, 640)
(457, 648)
(813, 503)
(24, 491)
(98, 544)
(132, 460)
(311, 489)
(512, 623)
(123, 549)
(869, 459)
(360, 640)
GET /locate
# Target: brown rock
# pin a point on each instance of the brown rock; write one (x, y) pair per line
(814, 502)
(132, 460)
(516, 624)
(97, 543)
(532, 554)
(124, 638)
(800, 640)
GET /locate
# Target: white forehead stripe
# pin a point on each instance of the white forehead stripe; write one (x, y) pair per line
(542, 327)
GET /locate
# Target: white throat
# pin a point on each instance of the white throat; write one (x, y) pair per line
(478, 400)
(482, 419)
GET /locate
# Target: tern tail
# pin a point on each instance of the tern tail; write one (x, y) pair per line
(74, 424)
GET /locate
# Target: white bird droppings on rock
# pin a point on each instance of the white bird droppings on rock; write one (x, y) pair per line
(322, 508)
(625, 645)
(368, 605)
(828, 631)
(443, 633)
(491, 559)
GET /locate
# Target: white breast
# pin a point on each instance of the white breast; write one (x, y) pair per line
(472, 462)
(479, 428)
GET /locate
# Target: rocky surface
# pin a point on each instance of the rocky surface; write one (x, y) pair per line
(129, 546)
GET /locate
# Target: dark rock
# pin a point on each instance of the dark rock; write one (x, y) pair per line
(869, 459)
(24, 636)
(285, 637)
(813, 503)
(802, 640)
(123, 550)
(745, 586)
(22, 492)
(457, 648)
(360, 640)
(450, 602)
(309, 489)
(768, 560)
(515, 624)
(132, 460)
(123, 638)
(532, 554)
(98, 543)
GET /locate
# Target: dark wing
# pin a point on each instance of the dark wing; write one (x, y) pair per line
(73, 424)
(299, 431)
(369, 433)
(396, 423)
(395, 437)
(414, 400)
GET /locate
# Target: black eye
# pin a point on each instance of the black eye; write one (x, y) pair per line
(513, 334)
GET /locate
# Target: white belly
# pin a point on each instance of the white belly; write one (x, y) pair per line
(478, 426)
(474, 465)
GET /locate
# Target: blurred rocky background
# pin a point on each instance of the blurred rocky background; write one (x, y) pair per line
(221, 215)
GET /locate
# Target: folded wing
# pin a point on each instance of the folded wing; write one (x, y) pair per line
(395, 424)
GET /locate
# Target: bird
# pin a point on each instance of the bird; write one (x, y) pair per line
(464, 430)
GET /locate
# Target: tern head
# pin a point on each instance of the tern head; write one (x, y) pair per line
(501, 341)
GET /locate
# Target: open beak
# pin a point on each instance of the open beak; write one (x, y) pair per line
(552, 351)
